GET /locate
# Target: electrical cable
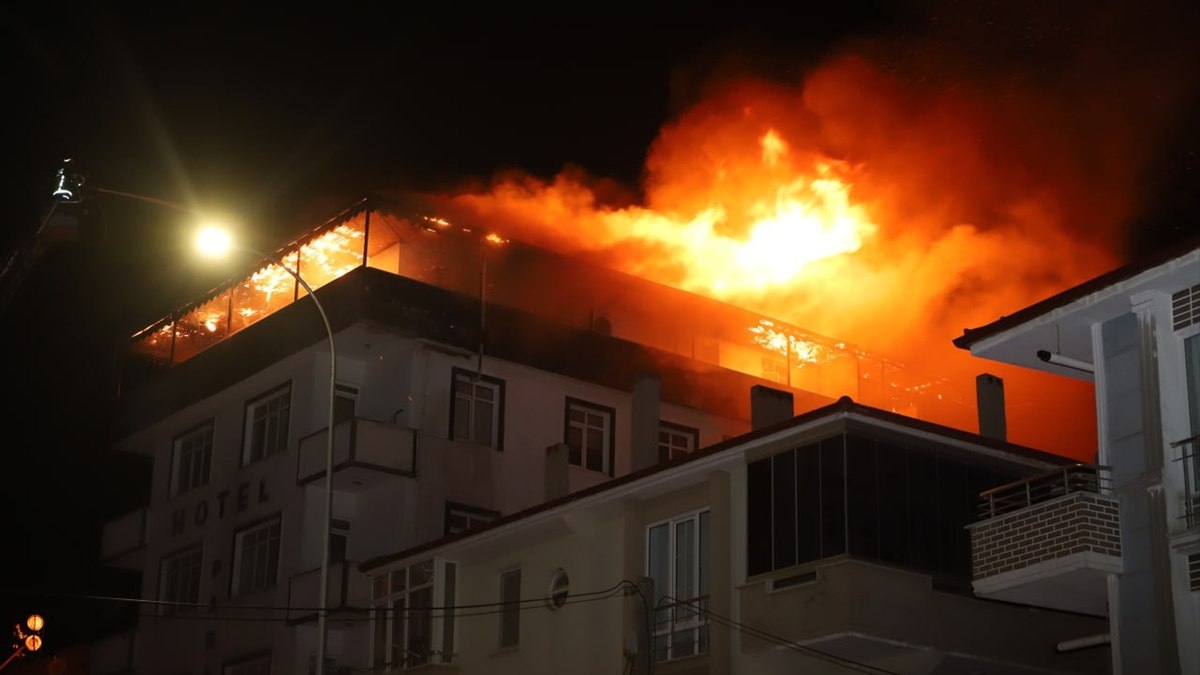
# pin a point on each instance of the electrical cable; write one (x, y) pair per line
(783, 642)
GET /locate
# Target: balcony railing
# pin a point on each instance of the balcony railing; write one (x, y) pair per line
(1043, 487)
(364, 452)
(349, 593)
(681, 628)
(1189, 458)
(1049, 540)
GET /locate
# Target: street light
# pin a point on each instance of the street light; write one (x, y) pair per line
(215, 241)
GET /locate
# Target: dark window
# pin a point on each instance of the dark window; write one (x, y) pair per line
(861, 497)
(924, 544)
(892, 463)
(833, 498)
(344, 401)
(191, 459)
(589, 435)
(758, 516)
(675, 440)
(267, 420)
(477, 409)
(783, 509)
(808, 503)
(873, 498)
(510, 608)
(460, 517)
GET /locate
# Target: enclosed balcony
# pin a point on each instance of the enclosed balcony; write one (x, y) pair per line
(349, 593)
(366, 454)
(1049, 540)
(123, 541)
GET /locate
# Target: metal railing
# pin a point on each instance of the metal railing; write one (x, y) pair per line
(678, 628)
(1189, 457)
(1043, 487)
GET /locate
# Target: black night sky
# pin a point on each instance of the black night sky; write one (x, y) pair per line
(284, 115)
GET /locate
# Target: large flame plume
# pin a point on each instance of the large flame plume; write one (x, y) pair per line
(858, 208)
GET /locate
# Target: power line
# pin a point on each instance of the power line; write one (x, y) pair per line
(781, 641)
(524, 603)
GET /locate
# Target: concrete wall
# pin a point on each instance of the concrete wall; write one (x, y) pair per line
(888, 617)
(1131, 443)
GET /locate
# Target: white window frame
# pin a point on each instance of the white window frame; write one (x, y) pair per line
(510, 609)
(675, 440)
(267, 420)
(591, 412)
(179, 578)
(685, 614)
(191, 458)
(392, 616)
(265, 537)
(472, 516)
(467, 390)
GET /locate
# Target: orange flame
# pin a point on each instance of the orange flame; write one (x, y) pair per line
(854, 208)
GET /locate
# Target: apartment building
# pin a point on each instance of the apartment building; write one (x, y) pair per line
(478, 379)
(1120, 540)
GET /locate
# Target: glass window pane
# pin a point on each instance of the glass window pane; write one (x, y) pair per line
(380, 634)
(833, 501)
(659, 561)
(923, 510)
(332, 254)
(462, 418)
(595, 450)
(685, 560)
(399, 621)
(420, 626)
(783, 509)
(704, 553)
(861, 496)
(202, 327)
(758, 516)
(483, 422)
(893, 503)
(808, 503)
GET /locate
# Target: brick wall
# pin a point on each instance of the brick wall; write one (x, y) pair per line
(1079, 522)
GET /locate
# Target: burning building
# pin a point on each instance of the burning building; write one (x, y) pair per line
(499, 405)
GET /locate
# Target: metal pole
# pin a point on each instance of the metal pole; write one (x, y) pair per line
(322, 604)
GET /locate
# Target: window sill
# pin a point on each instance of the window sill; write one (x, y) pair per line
(504, 650)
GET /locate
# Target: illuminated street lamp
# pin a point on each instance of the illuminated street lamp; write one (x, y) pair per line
(215, 242)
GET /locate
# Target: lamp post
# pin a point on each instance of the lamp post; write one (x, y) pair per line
(215, 242)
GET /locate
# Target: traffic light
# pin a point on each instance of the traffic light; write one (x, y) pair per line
(31, 636)
(28, 638)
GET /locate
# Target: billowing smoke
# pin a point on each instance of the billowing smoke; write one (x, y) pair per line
(894, 195)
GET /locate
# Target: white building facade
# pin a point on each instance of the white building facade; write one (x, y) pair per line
(1135, 333)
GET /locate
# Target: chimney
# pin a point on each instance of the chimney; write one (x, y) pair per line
(647, 392)
(557, 484)
(989, 395)
(769, 406)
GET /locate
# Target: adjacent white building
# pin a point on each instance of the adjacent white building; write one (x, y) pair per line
(1126, 542)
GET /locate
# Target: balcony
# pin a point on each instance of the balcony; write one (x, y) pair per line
(1189, 461)
(349, 594)
(365, 454)
(1050, 540)
(123, 541)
